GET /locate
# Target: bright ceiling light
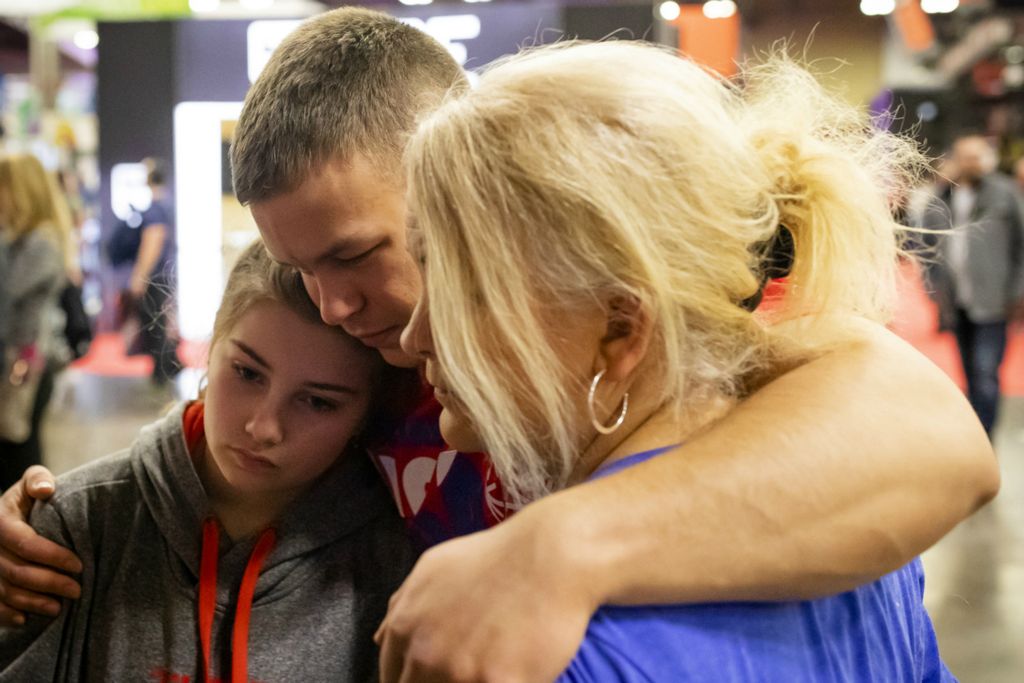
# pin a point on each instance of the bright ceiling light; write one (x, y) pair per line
(877, 8)
(200, 6)
(415, 2)
(87, 39)
(669, 11)
(256, 4)
(719, 9)
(939, 6)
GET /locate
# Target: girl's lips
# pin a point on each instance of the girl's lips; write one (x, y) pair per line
(252, 462)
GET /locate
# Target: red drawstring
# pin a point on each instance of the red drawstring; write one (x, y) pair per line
(208, 589)
(208, 599)
(240, 635)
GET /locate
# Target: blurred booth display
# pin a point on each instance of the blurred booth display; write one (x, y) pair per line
(710, 38)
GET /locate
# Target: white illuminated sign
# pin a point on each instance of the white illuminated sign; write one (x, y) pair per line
(198, 212)
(129, 190)
(263, 37)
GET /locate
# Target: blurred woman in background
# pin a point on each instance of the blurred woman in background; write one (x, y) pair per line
(34, 224)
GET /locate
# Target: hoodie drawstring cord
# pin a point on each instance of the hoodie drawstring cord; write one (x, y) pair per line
(208, 599)
(208, 590)
(240, 634)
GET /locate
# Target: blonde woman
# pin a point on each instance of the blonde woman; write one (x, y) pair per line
(597, 222)
(35, 223)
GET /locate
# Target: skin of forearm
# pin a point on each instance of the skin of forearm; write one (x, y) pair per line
(827, 478)
(150, 246)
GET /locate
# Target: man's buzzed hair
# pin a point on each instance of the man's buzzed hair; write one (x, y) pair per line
(348, 81)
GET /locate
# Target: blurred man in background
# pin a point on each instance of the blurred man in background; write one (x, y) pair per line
(978, 280)
(153, 279)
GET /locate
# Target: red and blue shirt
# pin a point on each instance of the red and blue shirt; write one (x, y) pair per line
(440, 492)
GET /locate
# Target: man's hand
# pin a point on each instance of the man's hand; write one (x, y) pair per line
(500, 605)
(25, 586)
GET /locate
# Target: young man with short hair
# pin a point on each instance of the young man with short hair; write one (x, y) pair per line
(882, 455)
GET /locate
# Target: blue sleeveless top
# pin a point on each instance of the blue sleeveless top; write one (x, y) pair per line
(878, 632)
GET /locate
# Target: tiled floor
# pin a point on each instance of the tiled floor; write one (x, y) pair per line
(975, 589)
(975, 576)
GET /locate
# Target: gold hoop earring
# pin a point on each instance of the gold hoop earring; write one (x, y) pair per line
(605, 429)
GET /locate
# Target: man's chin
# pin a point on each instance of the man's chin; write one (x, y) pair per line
(399, 358)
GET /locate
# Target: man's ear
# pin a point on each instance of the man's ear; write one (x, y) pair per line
(627, 337)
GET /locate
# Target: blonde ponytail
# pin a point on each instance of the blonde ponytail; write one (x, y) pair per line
(832, 177)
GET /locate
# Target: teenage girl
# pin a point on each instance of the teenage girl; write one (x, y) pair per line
(245, 536)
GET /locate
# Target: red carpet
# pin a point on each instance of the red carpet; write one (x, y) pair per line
(107, 357)
(915, 321)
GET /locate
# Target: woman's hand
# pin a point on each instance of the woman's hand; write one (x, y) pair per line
(500, 605)
(27, 582)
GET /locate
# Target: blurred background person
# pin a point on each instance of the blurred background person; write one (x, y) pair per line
(1018, 174)
(34, 226)
(5, 302)
(152, 281)
(978, 278)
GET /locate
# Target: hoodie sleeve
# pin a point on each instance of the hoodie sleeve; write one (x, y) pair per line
(38, 651)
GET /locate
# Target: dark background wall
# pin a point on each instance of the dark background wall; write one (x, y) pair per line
(135, 98)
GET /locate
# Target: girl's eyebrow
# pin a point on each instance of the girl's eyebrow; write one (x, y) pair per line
(321, 386)
(252, 354)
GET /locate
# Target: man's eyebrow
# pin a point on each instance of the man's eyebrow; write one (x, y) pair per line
(252, 354)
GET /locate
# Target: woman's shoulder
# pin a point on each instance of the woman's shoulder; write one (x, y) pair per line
(40, 240)
(38, 250)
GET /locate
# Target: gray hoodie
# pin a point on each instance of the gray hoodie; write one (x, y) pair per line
(136, 520)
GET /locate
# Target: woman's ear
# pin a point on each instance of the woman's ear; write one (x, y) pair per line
(627, 337)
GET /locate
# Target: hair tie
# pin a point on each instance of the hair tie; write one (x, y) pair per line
(779, 252)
